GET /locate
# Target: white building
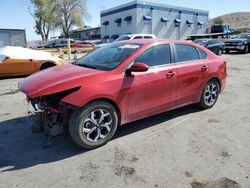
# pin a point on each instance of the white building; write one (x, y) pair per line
(165, 21)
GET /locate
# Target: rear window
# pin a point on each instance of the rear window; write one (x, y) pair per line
(186, 53)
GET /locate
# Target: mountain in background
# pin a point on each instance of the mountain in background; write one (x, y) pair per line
(235, 20)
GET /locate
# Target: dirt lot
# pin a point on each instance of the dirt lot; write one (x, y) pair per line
(183, 148)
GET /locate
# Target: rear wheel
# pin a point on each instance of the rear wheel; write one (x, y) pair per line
(94, 125)
(227, 51)
(210, 94)
(220, 51)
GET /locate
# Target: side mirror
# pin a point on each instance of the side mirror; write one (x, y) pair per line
(137, 67)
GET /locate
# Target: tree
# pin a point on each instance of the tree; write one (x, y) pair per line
(70, 13)
(218, 20)
(43, 12)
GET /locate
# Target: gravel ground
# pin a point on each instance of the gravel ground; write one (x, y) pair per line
(183, 148)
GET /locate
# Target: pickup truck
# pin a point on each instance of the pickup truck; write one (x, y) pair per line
(239, 43)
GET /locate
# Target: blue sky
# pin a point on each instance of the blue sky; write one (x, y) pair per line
(14, 13)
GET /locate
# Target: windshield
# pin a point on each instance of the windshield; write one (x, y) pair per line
(243, 36)
(121, 38)
(200, 42)
(51, 42)
(108, 57)
(2, 57)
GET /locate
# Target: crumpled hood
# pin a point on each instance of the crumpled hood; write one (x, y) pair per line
(59, 78)
(236, 40)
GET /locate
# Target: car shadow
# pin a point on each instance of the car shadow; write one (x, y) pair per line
(234, 53)
(12, 77)
(20, 148)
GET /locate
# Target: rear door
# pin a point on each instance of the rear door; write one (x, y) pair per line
(152, 91)
(191, 73)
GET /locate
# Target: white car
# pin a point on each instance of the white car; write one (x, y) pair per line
(128, 37)
(135, 36)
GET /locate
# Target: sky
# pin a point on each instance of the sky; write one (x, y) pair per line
(14, 14)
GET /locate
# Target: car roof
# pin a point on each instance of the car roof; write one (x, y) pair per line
(149, 41)
(206, 39)
(134, 34)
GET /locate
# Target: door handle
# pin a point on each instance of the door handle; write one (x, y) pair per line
(170, 74)
(204, 68)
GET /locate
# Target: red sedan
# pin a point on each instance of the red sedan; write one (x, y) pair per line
(82, 44)
(123, 82)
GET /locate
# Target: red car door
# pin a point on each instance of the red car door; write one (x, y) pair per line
(191, 73)
(153, 91)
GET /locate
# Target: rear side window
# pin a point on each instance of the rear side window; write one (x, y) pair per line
(138, 37)
(155, 56)
(148, 37)
(210, 42)
(203, 55)
(186, 53)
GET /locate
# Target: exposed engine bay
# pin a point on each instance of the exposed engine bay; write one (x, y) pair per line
(52, 115)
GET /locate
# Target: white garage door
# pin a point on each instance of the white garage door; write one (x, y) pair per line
(4, 39)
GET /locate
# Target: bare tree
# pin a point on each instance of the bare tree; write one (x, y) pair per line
(43, 12)
(70, 13)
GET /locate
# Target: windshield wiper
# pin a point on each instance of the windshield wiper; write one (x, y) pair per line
(87, 66)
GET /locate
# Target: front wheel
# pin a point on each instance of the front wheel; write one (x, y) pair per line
(245, 51)
(94, 125)
(209, 94)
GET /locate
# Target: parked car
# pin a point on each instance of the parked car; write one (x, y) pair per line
(123, 82)
(213, 45)
(82, 44)
(57, 43)
(135, 36)
(18, 61)
(128, 37)
(239, 43)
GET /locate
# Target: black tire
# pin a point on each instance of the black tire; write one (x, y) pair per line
(79, 120)
(46, 65)
(246, 49)
(209, 94)
(220, 51)
(227, 51)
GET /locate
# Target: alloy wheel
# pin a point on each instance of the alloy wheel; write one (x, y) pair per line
(211, 94)
(97, 125)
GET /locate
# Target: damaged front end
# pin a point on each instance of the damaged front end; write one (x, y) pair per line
(52, 115)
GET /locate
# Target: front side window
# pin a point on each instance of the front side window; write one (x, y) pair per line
(185, 53)
(108, 57)
(155, 56)
(148, 37)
